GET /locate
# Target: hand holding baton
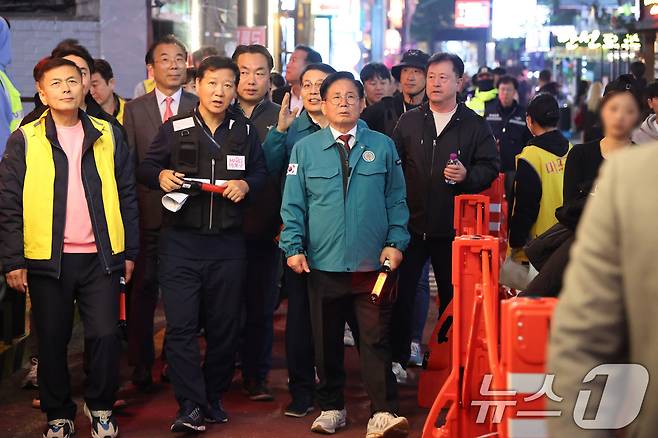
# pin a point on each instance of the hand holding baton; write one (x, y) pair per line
(202, 187)
(375, 295)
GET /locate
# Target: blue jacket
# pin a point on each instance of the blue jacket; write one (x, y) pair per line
(344, 233)
(277, 146)
(5, 106)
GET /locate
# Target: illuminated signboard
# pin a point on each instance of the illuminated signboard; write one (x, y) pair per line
(472, 13)
(596, 40)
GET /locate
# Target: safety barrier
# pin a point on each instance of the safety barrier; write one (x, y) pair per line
(497, 384)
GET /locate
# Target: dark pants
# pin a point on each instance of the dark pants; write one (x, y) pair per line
(185, 284)
(263, 258)
(143, 301)
(300, 355)
(333, 297)
(439, 250)
(84, 281)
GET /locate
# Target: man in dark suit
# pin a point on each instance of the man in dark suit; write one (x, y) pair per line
(142, 119)
(300, 58)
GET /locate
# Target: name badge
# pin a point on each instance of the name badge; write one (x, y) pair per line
(235, 162)
(183, 124)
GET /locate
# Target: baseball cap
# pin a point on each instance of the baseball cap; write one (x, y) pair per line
(544, 109)
(411, 58)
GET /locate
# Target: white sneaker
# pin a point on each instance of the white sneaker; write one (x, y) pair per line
(400, 373)
(348, 338)
(416, 358)
(30, 380)
(387, 425)
(329, 421)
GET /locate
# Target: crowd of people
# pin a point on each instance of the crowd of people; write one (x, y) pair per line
(225, 188)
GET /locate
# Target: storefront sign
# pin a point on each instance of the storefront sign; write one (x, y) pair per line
(327, 7)
(252, 35)
(596, 40)
(472, 14)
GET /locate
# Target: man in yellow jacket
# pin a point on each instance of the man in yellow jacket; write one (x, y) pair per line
(69, 222)
(539, 174)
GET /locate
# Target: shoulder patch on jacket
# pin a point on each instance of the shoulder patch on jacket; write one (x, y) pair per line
(292, 169)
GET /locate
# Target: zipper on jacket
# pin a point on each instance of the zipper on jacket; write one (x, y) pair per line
(61, 246)
(212, 181)
(95, 221)
(429, 190)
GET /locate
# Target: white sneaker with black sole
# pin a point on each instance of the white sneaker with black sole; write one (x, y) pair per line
(400, 373)
(329, 422)
(30, 380)
(103, 424)
(60, 428)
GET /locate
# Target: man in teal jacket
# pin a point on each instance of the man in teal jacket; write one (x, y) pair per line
(344, 207)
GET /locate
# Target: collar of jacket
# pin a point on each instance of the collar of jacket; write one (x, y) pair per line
(551, 141)
(328, 137)
(304, 122)
(457, 117)
(258, 109)
(91, 133)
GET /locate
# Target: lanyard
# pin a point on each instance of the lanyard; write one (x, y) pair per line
(210, 137)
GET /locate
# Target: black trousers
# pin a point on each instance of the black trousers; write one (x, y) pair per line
(333, 297)
(439, 250)
(300, 353)
(143, 301)
(84, 281)
(185, 284)
(263, 258)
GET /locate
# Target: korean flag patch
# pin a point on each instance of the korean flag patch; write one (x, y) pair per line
(292, 169)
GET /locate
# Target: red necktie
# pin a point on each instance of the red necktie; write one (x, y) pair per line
(168, 112)
(345, 138)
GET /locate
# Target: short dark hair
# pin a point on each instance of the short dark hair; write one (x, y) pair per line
(651, 90)
(623, 84)
(204, 52)
(638, 68)
(51, 63)
(324, 68)
(190, 74)
(508, 80)
(338, 76)
(277, 79)
(213, 63)
(103, 68)
(499, 71)
(255, 49)
(167, 39)
(71, 47)
(457, 63)
(544, 110)
(545, 75)
(374, 70)
(312, 57)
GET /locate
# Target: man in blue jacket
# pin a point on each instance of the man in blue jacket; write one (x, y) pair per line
(345, 213)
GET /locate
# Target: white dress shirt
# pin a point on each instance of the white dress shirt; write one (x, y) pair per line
(296, 102)
(337, 133)
(162, 101)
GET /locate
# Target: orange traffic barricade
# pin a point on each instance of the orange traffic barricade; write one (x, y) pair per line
(525, 324)
(471, 215)
(474, 340)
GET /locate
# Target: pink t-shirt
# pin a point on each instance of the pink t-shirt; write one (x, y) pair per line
(78, 233)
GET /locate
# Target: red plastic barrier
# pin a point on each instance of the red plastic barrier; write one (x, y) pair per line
(524, 335)
(471, 215)
(498, 209)
(474, 347)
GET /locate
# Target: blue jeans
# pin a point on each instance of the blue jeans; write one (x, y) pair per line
(422, 304)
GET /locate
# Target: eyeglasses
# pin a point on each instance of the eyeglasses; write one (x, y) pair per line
(308, 85)
(351, 99)
(168, 61)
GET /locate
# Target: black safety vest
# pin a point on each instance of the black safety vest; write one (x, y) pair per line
(198, 155)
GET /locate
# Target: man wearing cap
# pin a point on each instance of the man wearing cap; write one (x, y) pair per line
(345, 214)
(425, 138)
(485, 91)
(410, 73)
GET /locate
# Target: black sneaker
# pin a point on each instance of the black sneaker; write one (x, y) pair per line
(189, 419)
(258, 391)
(215, 412)
(299, 407)
(142, 378)
(103, 424)
(61, 428)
